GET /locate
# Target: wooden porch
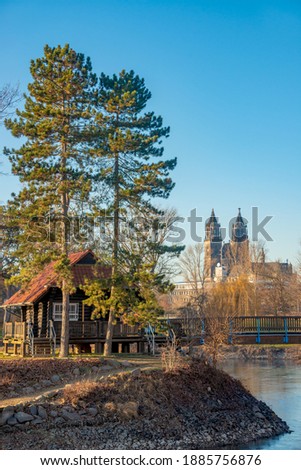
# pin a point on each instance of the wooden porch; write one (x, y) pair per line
(18, 337)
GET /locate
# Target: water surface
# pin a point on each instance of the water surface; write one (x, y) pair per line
(279, 386)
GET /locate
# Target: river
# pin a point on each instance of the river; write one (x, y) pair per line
(279, 386)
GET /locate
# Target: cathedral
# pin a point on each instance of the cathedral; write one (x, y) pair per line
(221, 258)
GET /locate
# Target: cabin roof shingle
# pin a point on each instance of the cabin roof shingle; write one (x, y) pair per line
(40, 284)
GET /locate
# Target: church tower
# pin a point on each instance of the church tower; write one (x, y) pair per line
(212, 246)
(239, 242)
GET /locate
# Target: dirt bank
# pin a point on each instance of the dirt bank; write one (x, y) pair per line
(195, 407)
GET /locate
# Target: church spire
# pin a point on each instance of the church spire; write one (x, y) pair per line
(239, 228)
(213, 228)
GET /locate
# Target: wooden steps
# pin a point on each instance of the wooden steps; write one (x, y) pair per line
(42, 347)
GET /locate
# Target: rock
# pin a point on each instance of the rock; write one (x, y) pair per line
(7, 413)
(126, 364)
(12, 421)
(113, 363)
(53, 413)
(95, 369)
(28, 390)
(42, 412)
(46, 383)
(209, 389)
(259, 415)
(33, 410)
(92, 411)
(59, 420)
(23, 417)
(70, 416)
(55, 379)
(76, 372)
(136, 372)
(37, 421)
(105, 367)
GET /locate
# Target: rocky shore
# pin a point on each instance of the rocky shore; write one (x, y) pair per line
(194, 407)
(258, 352)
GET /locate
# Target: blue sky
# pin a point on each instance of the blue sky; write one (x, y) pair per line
(224, 74)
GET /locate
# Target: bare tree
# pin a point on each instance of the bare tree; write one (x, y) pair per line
(9, 96)
(191, 264)
(258, 254)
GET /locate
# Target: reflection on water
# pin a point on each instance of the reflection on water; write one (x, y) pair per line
(279, 386)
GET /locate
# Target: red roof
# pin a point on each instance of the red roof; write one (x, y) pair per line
(40, 284)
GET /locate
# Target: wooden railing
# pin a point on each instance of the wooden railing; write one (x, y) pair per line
(97, 329)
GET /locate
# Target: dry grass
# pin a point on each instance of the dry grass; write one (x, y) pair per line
(156, 393)
(8, 378)
(27, 372)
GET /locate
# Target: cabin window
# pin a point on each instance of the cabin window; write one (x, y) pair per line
(58, 308)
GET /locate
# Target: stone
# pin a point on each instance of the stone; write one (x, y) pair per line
(55, 379)
(92, 411)
(37, 421)
(259, 415)
(95, 369)
(70, 416)
(7, 413)
(46, 383)
(33, 410)
(105, 367)
(59, 420)
(12, 421)
(53, 413)
(209, 389)
(126, 364)
(23, 417)
(76, 372)
(42, 412)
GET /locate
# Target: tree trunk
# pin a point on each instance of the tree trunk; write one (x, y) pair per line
(109, 336)
(64, 349)
(110, 328)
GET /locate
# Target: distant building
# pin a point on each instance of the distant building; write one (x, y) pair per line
(228, 260)
(220, 257)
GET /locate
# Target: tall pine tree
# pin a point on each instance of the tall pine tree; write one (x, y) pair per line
(54, 164)
(130, 144)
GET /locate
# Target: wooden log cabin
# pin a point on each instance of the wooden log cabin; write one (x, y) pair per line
(32, 317)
